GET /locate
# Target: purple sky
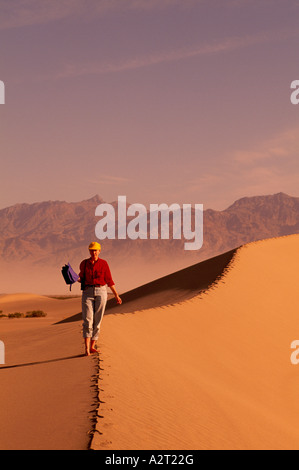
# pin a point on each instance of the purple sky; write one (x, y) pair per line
(184, 101)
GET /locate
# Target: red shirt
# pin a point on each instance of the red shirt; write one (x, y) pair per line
(97, 274)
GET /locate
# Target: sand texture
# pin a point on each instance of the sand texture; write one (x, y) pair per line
(47, 392)
(212, 371)
(199, 359)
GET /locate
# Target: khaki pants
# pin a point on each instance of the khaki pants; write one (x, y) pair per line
(94, 301)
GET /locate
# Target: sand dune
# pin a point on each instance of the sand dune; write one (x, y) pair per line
(8, 298)
(46, 392)
(173, 288)
(210, 372)
(56, 309)
(202, 363)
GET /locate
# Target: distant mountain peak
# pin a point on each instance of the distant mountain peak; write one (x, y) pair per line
(50, 233)
(244, 201)
(96, 198)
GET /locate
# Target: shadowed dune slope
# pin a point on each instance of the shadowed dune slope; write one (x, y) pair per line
(173, 288)
(177, 287)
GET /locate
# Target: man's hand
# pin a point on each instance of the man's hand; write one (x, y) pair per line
(118, 299)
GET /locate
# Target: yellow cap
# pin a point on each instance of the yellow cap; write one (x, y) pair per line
(94, 246)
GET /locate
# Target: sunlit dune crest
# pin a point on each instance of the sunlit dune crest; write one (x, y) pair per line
(210, 372)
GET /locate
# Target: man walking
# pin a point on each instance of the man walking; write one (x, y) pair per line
(94, 276)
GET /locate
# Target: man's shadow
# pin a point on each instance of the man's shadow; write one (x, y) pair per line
(42, 362)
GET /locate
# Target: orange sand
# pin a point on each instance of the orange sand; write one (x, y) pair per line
(212, 372)
(47, 396)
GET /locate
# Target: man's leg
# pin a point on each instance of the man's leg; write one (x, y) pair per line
(99, 309)
(88, 319)
(87, 346)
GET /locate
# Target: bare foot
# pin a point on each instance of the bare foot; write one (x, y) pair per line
(93, 348)
(87, 346)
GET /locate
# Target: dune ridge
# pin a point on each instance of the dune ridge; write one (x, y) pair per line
(199, 359)
(212, 371)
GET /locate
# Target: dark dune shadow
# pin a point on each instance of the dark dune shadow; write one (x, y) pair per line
(41, 362)
(173, 288)
(73, 318)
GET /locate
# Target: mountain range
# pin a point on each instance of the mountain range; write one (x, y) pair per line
(36, 240)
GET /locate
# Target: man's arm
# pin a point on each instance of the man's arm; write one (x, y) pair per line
(118, 299)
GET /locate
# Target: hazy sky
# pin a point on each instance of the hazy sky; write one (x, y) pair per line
(183, 101)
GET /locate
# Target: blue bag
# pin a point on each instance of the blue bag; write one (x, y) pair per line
(69, 275)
